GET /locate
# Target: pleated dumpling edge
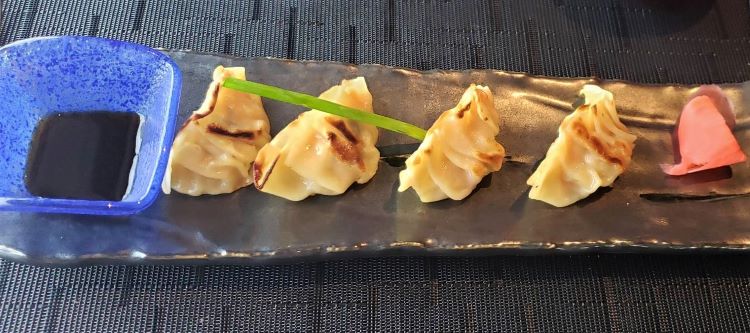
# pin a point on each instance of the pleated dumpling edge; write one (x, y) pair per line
(319, 153)
(592, 149)
(213, 151)
(458, 151)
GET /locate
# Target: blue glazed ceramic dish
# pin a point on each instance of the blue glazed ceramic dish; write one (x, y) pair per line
(42, 76)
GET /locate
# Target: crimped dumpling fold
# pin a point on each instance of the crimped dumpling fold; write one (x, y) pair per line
(592, 149)
(458, 151)
(320, 153)
(214, 150)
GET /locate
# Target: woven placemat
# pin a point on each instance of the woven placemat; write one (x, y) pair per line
(656, 41)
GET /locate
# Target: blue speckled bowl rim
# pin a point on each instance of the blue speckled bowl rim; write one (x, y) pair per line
(104, 207)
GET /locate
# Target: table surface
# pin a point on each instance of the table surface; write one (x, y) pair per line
(651, 41)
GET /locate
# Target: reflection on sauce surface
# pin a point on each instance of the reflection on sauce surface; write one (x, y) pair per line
(82, 155)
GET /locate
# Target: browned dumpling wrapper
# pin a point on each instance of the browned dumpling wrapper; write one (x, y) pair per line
(459, 150)
(319, 153)
(592, 149)
(214, 150)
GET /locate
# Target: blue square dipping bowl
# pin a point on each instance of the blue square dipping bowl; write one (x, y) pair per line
(47, 75)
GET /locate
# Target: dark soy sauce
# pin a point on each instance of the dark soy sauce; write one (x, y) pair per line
(82, 155)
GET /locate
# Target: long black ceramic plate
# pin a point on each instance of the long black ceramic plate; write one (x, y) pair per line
(645, 210)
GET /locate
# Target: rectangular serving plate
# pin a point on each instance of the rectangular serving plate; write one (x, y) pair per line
(644, 211)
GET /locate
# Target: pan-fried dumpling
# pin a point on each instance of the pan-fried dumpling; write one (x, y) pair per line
(459, 150)
(216, 146)
(592, 149)
(319, 153)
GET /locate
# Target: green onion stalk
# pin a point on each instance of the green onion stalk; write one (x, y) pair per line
(312, 102)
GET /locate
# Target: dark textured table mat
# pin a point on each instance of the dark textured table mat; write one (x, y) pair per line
(647, 41)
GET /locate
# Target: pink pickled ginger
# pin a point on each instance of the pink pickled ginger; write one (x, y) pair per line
(704, 133)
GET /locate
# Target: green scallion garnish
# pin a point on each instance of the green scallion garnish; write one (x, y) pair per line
(315, 103)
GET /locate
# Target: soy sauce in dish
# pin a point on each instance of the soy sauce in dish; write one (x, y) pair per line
(82, 155)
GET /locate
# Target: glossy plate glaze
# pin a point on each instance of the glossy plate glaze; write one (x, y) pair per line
(645, 210)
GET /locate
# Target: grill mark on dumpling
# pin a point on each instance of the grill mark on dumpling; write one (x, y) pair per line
(259, 177)
(257, 173)
(460, 113)
(600, 148)
(216, 129)
(346, 151)
(211, 107)
(341, 126)
(197, 116)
